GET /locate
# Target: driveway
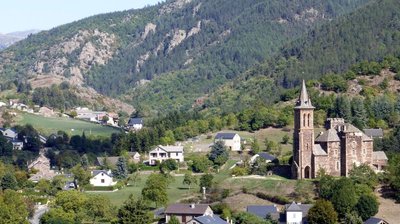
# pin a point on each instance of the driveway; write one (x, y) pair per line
(40, 210)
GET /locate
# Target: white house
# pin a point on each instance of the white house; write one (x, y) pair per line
(135, 123)
(17, 145)
(162, 153)
(231, 140)
(102, 178)
(297, 213)
(9, 133)
(187, 212)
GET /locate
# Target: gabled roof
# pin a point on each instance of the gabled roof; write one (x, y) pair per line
(298, 208)
(192, 209)
(133, 121)
(97, 172)
(210, 219)
(223, 135)
(319, 151)
(266, 156)
(379, 155)
(170, 148)
(329, 135)
(262, 210)
(374, 132)
(374, 220)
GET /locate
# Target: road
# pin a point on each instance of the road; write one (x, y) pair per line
(40, 210)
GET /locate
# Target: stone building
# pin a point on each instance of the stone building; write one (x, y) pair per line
(335, 150)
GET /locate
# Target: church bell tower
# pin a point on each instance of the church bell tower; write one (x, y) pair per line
(303, 136)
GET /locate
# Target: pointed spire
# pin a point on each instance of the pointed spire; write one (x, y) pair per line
(304, 101)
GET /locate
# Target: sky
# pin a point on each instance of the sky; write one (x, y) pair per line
(21, 15)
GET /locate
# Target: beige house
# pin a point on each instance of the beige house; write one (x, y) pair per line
(186, 213)
(162, 153)
(231, 140)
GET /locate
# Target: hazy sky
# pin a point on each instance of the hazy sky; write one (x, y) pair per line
(20, 15)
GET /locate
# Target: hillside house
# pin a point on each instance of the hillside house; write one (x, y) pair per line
(162, 153)
(135, 124)
(186, 213)
(296, 213)
(208, 219)
(9, 133)
(134, 157)
(231, 140)
(102, 178)
(42, 165)
(374, 220)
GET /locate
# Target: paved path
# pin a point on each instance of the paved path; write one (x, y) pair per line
(40, 210)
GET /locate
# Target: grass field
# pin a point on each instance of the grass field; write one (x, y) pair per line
(47, 125)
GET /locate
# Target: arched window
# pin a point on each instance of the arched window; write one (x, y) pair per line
(337, 165)
(304, 120)
(307, 172)
(308, 121)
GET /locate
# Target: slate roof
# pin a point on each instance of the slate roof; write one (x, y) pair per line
(379, 155)
(318, 151)
(96, 172)
(262, 210)
(374, 133)
(171, 148)
(210, 219)
(266, 156)
(198, 209)
(304, 102)
(133, 121)
(225, 135)
(329, 135)
(304, 208)
(374, 220)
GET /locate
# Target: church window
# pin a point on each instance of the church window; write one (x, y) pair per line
(308, 120)
(337, 165)
(304, 120)
(354, 152)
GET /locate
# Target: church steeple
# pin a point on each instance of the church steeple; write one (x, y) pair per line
(304, 101)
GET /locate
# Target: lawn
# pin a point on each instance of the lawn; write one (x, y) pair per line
(47, 125)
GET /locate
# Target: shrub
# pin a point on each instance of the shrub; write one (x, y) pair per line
(273, 198)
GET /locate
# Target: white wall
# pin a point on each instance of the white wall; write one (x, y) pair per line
(97, 180)
(294, 217)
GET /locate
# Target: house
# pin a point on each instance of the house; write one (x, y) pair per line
(264, 155)
(187, 212)
(102, 178)
(162, 153)
(231, 140)
(42, 166)
(297, 213)
(209, 219)
(9, 133)
(135, 123)
(134, 157)
(374, 133)
(379, 160)
(374, 220)
(263, 211)
(17, 144)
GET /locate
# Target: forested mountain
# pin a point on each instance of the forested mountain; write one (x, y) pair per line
(165, 56)
(370, 33)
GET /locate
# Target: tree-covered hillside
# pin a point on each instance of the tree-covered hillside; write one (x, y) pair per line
(370, 33)
(167, 55)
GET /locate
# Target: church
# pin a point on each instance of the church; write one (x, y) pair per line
(336, 149)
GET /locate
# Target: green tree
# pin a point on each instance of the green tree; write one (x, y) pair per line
(174, 220)
(255, 147)
(81, 176)
(168, 165)
(344, 196)
(200, 164)
(363, 174)
(189, 179)
(72, 202)
(58, 216)
(247, 218)
(367, 206)
(343, 108)
(206, 181)
(134, 212)
(121, 171)
(219, 153)
(352, 218)
(322, 212)
(155, 189)
(13, 208)
(285, 139)
(98, 207)
(8, 181)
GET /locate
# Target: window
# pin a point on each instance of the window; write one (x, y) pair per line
(304, 120)
(103, 181)
(177, 154)
(308, 120)
(337, 165)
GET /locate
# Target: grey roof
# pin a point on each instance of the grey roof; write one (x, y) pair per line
(262, 210)
(133, 121)
(319, 151)
(304, 102)
(171, 148)
(379, 155)
(329, 135)
(374, 220)
(96, 172)
(198, 209)
(298, 208)
(374, 133)
(225, 135)
(210, 219)
(266, 156)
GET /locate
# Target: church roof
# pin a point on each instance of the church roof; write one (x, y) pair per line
(318, 151)
(328, 136)
(304, 102)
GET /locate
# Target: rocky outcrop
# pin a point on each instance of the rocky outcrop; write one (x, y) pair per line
(173, 6)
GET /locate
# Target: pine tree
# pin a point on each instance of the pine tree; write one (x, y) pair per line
(121, 170)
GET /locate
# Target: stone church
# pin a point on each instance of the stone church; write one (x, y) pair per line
(335, 150)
